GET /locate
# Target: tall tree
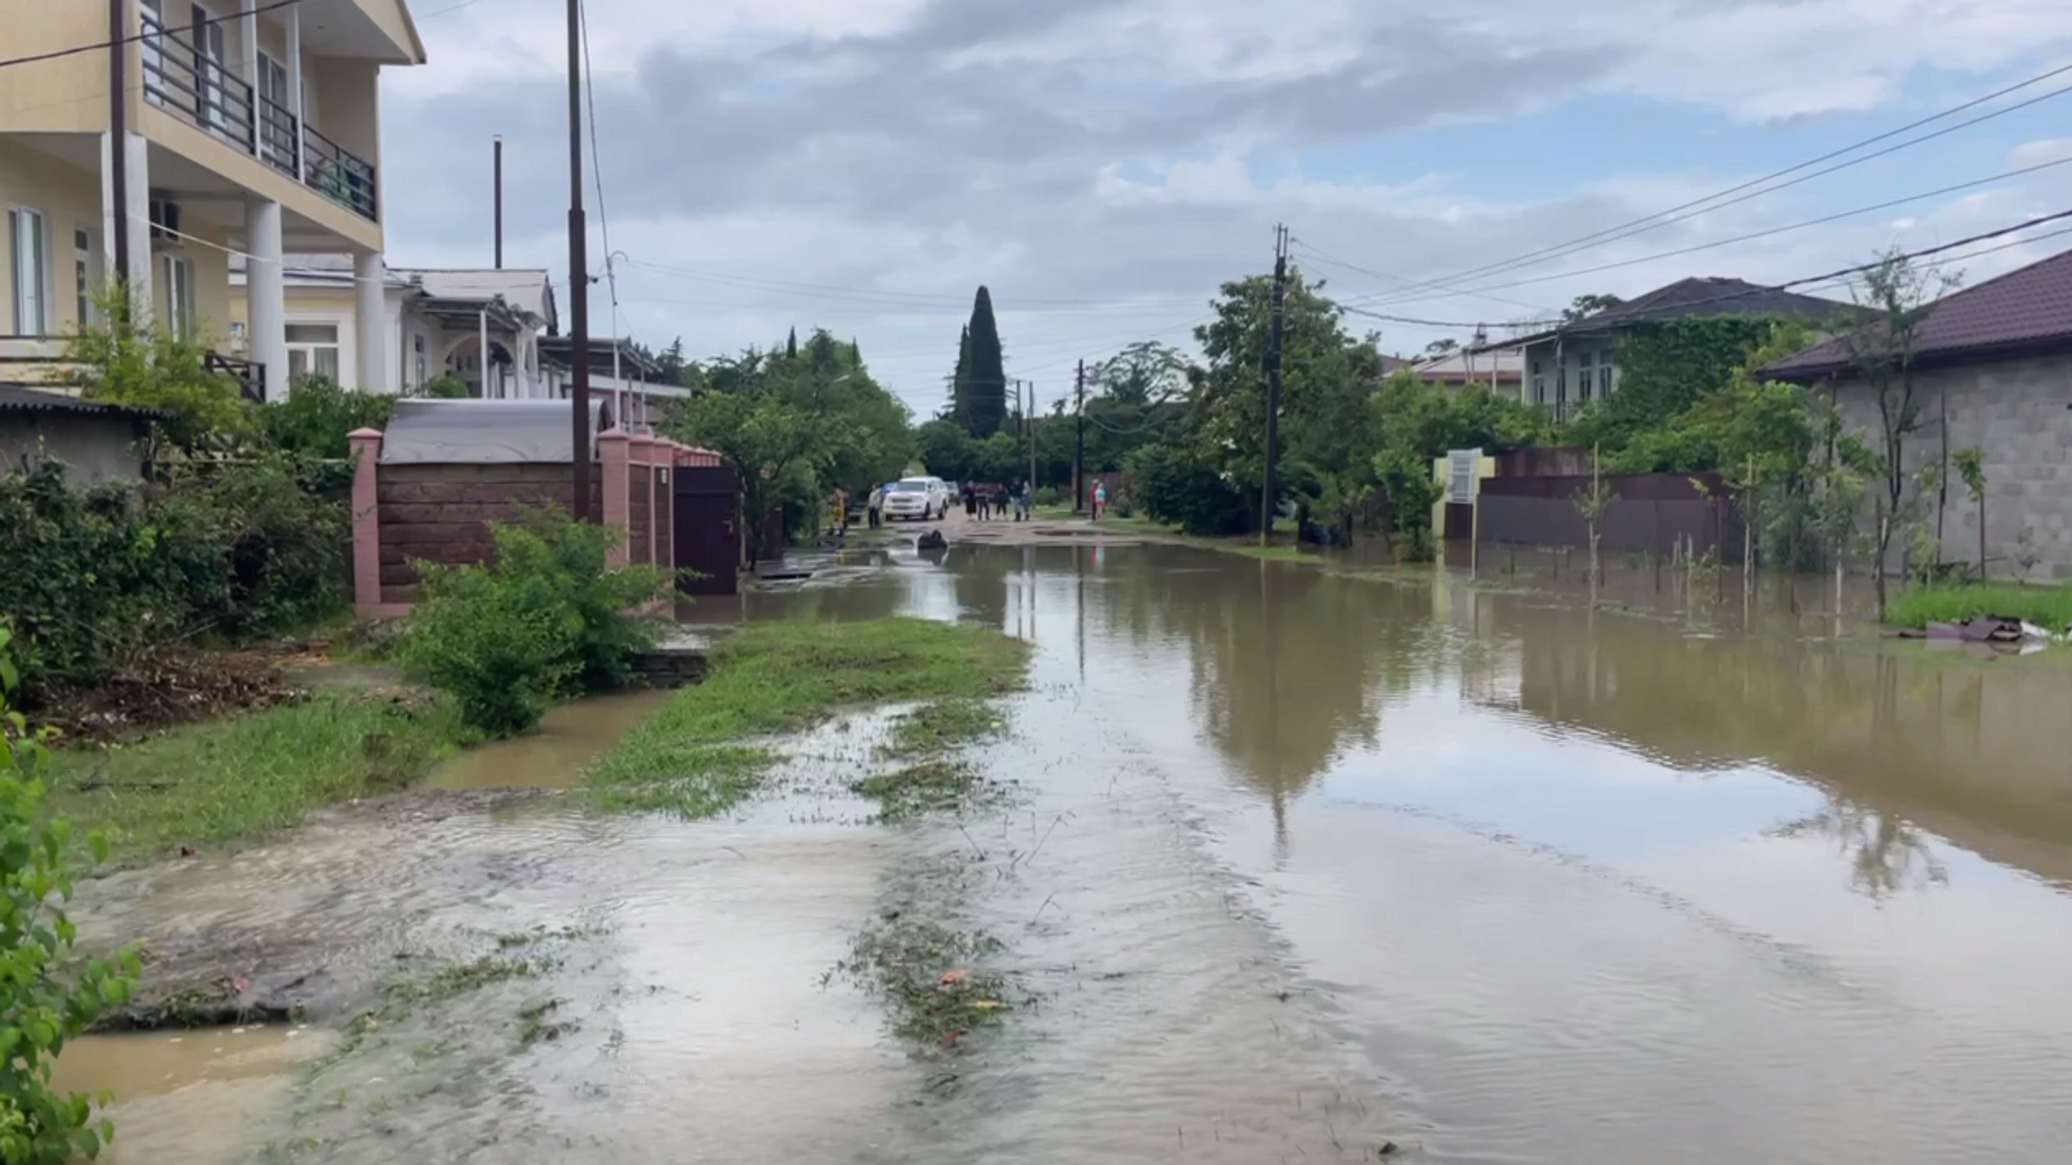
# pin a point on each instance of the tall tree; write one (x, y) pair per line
(959, 378)
(984, 401)
(791, 344)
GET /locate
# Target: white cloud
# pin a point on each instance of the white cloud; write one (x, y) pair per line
(1104, 164)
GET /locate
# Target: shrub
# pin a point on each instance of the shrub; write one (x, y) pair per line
(142, 363)
(445, 386)
(317, 416)
(228, 549)
(547, 618)
(47, 994)
(1175, 486)
(1049, 495)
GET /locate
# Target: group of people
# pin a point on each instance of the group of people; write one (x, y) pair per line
(984, 502)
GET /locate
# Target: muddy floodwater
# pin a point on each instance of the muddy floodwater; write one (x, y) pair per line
(1300, 865)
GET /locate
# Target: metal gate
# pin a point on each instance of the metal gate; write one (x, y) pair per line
(708, 529)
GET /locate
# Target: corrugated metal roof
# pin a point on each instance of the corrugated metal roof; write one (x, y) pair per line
(24, 399)
(483, 432)
(2024, 308)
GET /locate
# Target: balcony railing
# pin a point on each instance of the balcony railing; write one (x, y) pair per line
(192, 82)
(251, 378)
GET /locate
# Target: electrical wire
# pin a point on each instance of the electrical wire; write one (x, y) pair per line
(104, 45)
(1712, 201)
(604, 227)
(1762, 234)
(1450, 291)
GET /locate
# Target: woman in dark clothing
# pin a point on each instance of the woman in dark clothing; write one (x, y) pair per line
(970, 501)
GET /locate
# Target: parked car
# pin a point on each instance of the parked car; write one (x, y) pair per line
(917, 499)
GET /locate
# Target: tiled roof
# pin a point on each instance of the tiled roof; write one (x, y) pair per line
(1709, 295)
(2019, 311)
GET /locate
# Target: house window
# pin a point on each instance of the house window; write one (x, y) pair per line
(209, 57)
(28, 270)
(1539, 384)
(180, 313)
(312, 351)
(154, 50)
(417, 350)
(1583, 377)
(1604, 375)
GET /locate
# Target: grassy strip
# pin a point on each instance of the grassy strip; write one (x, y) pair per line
(2049, 607)
(246, 775)
(924, 969)
(937, 779)
(697, 756)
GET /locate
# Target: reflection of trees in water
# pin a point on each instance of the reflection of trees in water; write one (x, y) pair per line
(1288, 665)
(980, 576)
(1886, 855)
(850, 603)
(1906, 749)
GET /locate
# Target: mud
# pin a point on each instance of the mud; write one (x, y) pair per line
(1292, 865)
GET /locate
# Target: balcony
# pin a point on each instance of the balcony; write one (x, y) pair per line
(204, 90)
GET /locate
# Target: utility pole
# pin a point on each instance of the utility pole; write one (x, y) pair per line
(118, 149)
(1079, 444)
(1029, 417)
(578, 275)
(498, 166)
(1273, 382)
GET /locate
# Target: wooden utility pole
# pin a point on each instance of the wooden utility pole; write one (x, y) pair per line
(578, 276)
(118, 148)
(1079, 443)
(1267, 499)
(1029, 421)
(498, 166)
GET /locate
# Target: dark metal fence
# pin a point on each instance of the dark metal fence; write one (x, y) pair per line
(1653, 513)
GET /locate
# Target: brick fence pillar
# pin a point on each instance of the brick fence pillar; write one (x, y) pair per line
(614, 453)
(366, 447)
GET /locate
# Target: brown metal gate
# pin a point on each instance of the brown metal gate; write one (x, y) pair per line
(708, 529)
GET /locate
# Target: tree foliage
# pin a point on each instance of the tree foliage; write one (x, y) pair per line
(134, 360)
(48, 994)
(979, 388)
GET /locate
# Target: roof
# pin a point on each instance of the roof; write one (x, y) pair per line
(18, 398)
(1463, 367)
(528, 289)
(557, 351)
(2024, 311)
(431, 431)
(1708, 295)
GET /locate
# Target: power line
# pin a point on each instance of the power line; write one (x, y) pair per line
(868, 294)
(1701, 205)
(1316, 254)
(104, 45)
(1822, 220)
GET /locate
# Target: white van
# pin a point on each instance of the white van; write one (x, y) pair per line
(917, 499)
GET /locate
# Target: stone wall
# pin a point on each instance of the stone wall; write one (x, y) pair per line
(2018, 413)
(670, 667)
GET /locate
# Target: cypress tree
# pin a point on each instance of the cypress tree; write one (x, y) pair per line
(791, 345)
(986, 393)
(960, 401)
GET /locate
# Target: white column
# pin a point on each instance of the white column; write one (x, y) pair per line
(248, 29)
(369, 313)
(138, 156)
(482, 357)
(266, 304)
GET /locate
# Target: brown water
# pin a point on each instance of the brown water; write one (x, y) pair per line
(569, 737)
(189, 1098)
(1304, 862)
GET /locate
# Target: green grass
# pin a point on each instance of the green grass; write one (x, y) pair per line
(243, 776)
(2049, 607)
(703, 752)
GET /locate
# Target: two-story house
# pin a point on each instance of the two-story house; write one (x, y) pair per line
(247, 128)
(1573, 364)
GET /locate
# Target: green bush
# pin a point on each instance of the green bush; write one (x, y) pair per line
(226, 550)
(48, 995)
(1178, 487)
(1050, 495)
(547, 618)
(445, 386)
(145, 364)
(318, 415)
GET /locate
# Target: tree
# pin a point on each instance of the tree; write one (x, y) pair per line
(982, 399)
(767, 440)
(123, 360)
(1588, 305)
(1593, 502)
(960, 382)
(1971, 468)
(791, 345)
(946, 449)
(674, 368)
(1893, 301)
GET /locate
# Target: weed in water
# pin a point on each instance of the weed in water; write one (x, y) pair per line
(247, 775)
(537, 1025)
(697, 756)
(936, 784)
(447, 982)
(925, 970)
(942, 725)
(2049, 607)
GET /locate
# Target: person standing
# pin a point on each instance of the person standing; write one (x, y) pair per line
(970, 500)
(874, 506)
(985, 502)
(1100, 498)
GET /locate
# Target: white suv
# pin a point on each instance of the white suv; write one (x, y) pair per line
(917, 499)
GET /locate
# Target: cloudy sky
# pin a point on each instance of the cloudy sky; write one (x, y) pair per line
(1102, 165)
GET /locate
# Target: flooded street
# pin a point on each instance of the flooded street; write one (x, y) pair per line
(1302, 864)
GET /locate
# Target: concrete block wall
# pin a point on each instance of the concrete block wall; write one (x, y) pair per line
(2018, 413)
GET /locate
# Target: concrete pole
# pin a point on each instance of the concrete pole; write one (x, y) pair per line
(370, 319)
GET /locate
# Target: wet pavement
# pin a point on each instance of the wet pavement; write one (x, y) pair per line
(1303, 862)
